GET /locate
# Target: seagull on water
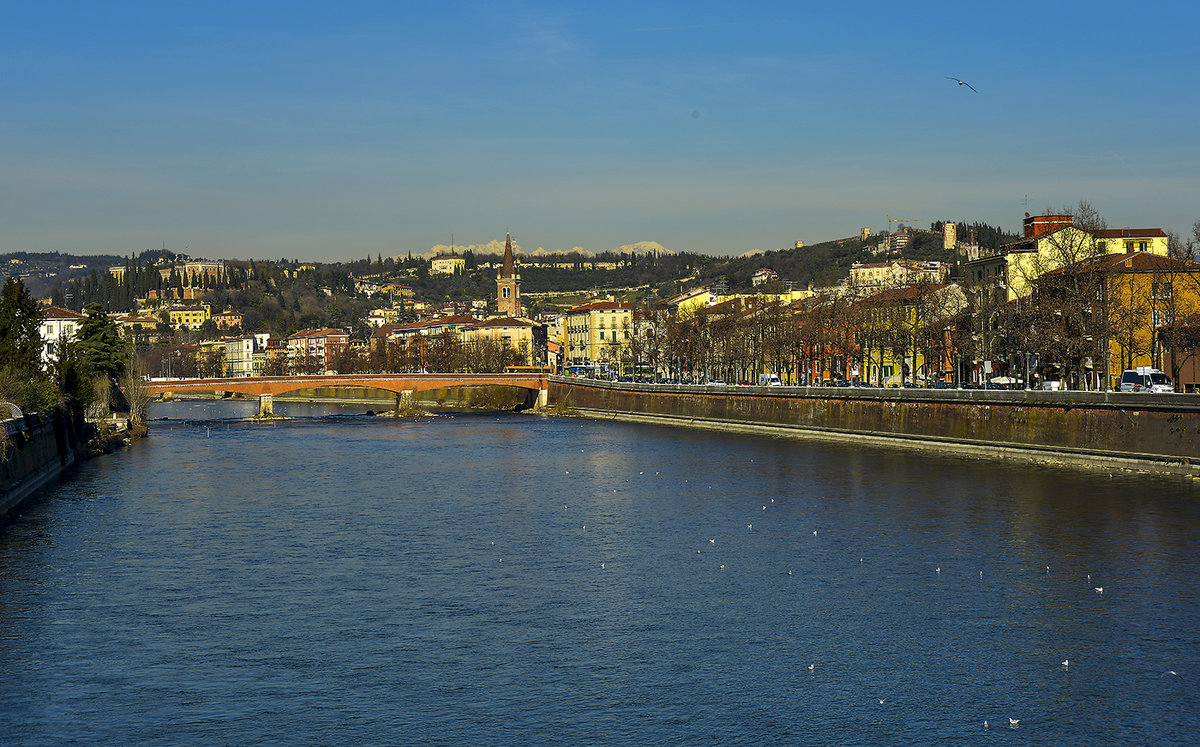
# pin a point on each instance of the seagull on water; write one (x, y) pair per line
(712, 542)
(722, 566)
(750, 526)
(1066, 663)
(1013, 721)
(961, 82)
(985, 723)
(789, 573)
(811, 667)
(1099, 589)
(938, 569)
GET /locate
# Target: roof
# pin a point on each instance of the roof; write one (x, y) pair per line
(453, 319)
(1128, 262)
(508, 269)
(905, 293)
(600, 305)
(326, 332)
(1129, 233)
(58, 312)
(506, 321)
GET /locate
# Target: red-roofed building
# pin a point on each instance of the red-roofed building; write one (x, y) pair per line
(58, 323)
(317, 345)
(525, 336)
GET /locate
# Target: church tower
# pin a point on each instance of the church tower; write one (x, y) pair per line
(508, 284)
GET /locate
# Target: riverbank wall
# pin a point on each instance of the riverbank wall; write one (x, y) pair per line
(1106, 430)
(36, 450)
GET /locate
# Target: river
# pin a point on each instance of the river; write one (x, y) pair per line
(514, 579)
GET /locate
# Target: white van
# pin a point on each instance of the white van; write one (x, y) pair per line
(1145, 379)
(769, 380)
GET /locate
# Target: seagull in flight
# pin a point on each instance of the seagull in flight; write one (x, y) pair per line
(961, 82)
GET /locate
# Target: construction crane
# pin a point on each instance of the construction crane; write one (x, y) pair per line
(893, 219)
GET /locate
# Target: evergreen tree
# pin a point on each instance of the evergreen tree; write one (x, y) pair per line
(20, 328)
(100, 347)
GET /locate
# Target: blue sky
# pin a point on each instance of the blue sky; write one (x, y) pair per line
(336, 130)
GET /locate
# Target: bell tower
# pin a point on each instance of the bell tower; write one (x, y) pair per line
(508, 283)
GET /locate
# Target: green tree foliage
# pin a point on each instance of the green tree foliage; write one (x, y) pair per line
(20, 328)
(99, 345)
(69, 374)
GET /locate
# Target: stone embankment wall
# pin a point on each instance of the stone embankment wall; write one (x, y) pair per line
(1151, 431)
(36, 449)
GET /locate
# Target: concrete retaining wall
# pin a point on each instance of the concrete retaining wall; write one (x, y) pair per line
(1154, 429)
(36, 452)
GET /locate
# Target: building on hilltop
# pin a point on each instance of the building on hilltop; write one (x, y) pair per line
(447, 264)
(189, 317)
(762, 276)
(896, 273)
(508, 284)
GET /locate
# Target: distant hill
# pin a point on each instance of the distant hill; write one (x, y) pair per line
(496, 247)
(41, 271)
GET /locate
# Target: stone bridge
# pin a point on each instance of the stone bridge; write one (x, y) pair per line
(405, 385)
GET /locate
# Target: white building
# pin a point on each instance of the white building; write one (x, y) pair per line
(239, 356)
(58, 323)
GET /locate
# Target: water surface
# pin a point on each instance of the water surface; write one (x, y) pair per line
(515, 579)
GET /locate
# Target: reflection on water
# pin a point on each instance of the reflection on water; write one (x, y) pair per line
(499, 579)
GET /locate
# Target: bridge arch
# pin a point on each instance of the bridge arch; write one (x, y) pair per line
(534, 385)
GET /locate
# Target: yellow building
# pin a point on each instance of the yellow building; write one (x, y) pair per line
(1052, 242)
(597, 332)
(189, 317)
(523, 335)
(1143, 292)
(447, 264)
(687, 302)
(895, 333)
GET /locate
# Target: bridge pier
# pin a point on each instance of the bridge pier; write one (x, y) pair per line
(266, 408)
(404, 401)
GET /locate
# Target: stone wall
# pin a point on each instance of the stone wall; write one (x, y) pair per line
(1153, 427)
(36, 449)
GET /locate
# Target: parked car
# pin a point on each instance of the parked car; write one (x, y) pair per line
(1145, 379)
